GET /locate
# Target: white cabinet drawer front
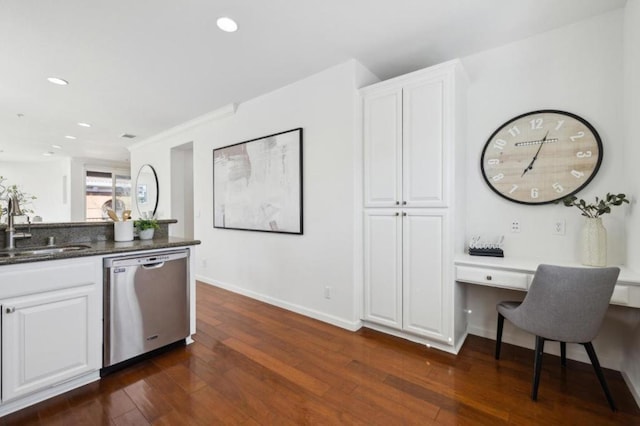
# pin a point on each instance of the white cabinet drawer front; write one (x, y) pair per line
(492, 277)
(37, 277)
(620, 295)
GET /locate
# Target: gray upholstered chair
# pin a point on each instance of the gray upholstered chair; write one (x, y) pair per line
(566, 305)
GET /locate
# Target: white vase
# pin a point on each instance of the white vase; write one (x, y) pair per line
(594, 242)
(147, 234)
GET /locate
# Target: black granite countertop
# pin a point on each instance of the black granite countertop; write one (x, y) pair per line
(98, 248)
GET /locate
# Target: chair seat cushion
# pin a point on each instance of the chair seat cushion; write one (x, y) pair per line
(505, 308)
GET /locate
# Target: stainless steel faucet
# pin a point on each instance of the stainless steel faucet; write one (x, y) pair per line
(13, 210)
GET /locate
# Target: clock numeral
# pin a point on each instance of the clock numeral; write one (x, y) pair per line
(498, 177)
(499, 144)
(577, 174)
(560, 123)
(536, 123)
(513, 188)
(558, 187)
(493, 162)
(585, 154)
(514, 131)
(577, 136)
(534, 192)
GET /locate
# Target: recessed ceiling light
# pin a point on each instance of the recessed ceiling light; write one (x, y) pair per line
(58, 81)
(56, 146)
(48, 153)
(84, 124)
(70, 137)
(227, 24)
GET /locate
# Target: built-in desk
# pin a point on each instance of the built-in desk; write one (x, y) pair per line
(492, 279)
(516, 274)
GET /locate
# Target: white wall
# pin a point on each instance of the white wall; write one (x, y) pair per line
(577, 68)
(287, 270)
(631, 366)
(48, 181)
(182, 191)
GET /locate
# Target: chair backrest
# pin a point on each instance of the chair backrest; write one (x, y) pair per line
(568, 304)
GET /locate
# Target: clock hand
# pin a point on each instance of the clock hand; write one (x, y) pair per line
(535, 157)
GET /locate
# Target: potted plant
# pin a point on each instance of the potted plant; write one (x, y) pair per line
(6, 191)
(146, 228)
(594, 235)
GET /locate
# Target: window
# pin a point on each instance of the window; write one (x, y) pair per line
(106, 190)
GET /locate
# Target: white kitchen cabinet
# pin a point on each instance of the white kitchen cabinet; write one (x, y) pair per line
(404, 142)
(51, 328)
(405, 286)
(413, 203)
(383, 267)
(48, 338)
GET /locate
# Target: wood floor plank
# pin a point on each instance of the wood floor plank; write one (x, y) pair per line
(256, 364)
(290, 373)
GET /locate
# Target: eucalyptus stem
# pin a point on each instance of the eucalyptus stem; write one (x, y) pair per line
(597, 209)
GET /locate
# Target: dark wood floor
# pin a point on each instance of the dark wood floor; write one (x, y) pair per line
(255, 364)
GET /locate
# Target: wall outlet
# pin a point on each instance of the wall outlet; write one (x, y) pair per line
(515, 226)
(327, 292)
(559, 227)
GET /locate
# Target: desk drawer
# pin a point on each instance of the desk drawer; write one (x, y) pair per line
(620, 295)
(493, 277)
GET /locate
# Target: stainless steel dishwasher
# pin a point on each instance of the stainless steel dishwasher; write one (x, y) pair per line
(146, 303)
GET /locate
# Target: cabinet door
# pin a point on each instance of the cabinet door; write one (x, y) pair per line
(382, 267)
(423, 179)
(49, 338)
(424, 290)
(383, 148)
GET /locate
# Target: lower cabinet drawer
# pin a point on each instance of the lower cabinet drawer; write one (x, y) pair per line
(493, 277)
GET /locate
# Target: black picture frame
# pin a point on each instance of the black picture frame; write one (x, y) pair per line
(258, 184)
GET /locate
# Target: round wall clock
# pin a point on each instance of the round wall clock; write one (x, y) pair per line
(541, 157)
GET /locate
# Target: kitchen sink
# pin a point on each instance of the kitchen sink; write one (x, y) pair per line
(42, 251)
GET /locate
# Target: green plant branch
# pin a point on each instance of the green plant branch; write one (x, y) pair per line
(597, 209)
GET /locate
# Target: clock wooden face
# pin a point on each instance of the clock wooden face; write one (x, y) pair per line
(541, 156)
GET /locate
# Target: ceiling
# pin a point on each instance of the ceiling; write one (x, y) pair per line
(144, 66)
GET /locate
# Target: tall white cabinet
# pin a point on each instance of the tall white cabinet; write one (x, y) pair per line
(413, 131)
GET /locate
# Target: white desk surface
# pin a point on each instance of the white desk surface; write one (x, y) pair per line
(528, 265)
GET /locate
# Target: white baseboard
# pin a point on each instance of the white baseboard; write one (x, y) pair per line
(417, 339)
(320, 316)
(633, 387)
(574, 352)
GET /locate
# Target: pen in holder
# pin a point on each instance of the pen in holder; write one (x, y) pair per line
(478, 247)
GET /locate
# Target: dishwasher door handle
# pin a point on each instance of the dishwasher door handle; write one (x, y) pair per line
(153, 265)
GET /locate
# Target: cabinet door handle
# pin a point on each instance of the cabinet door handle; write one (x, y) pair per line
(404, 213)
(397, 203)
(404, 203)
(489, 277)
(10, 310)
(397, 214)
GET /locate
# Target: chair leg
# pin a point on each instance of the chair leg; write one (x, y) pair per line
(499, 335)
(537, 367)
(596, 365)
(563, 354)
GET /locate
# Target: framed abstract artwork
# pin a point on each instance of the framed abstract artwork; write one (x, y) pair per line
(257, 184)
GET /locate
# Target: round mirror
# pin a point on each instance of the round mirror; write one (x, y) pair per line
(147, 192)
